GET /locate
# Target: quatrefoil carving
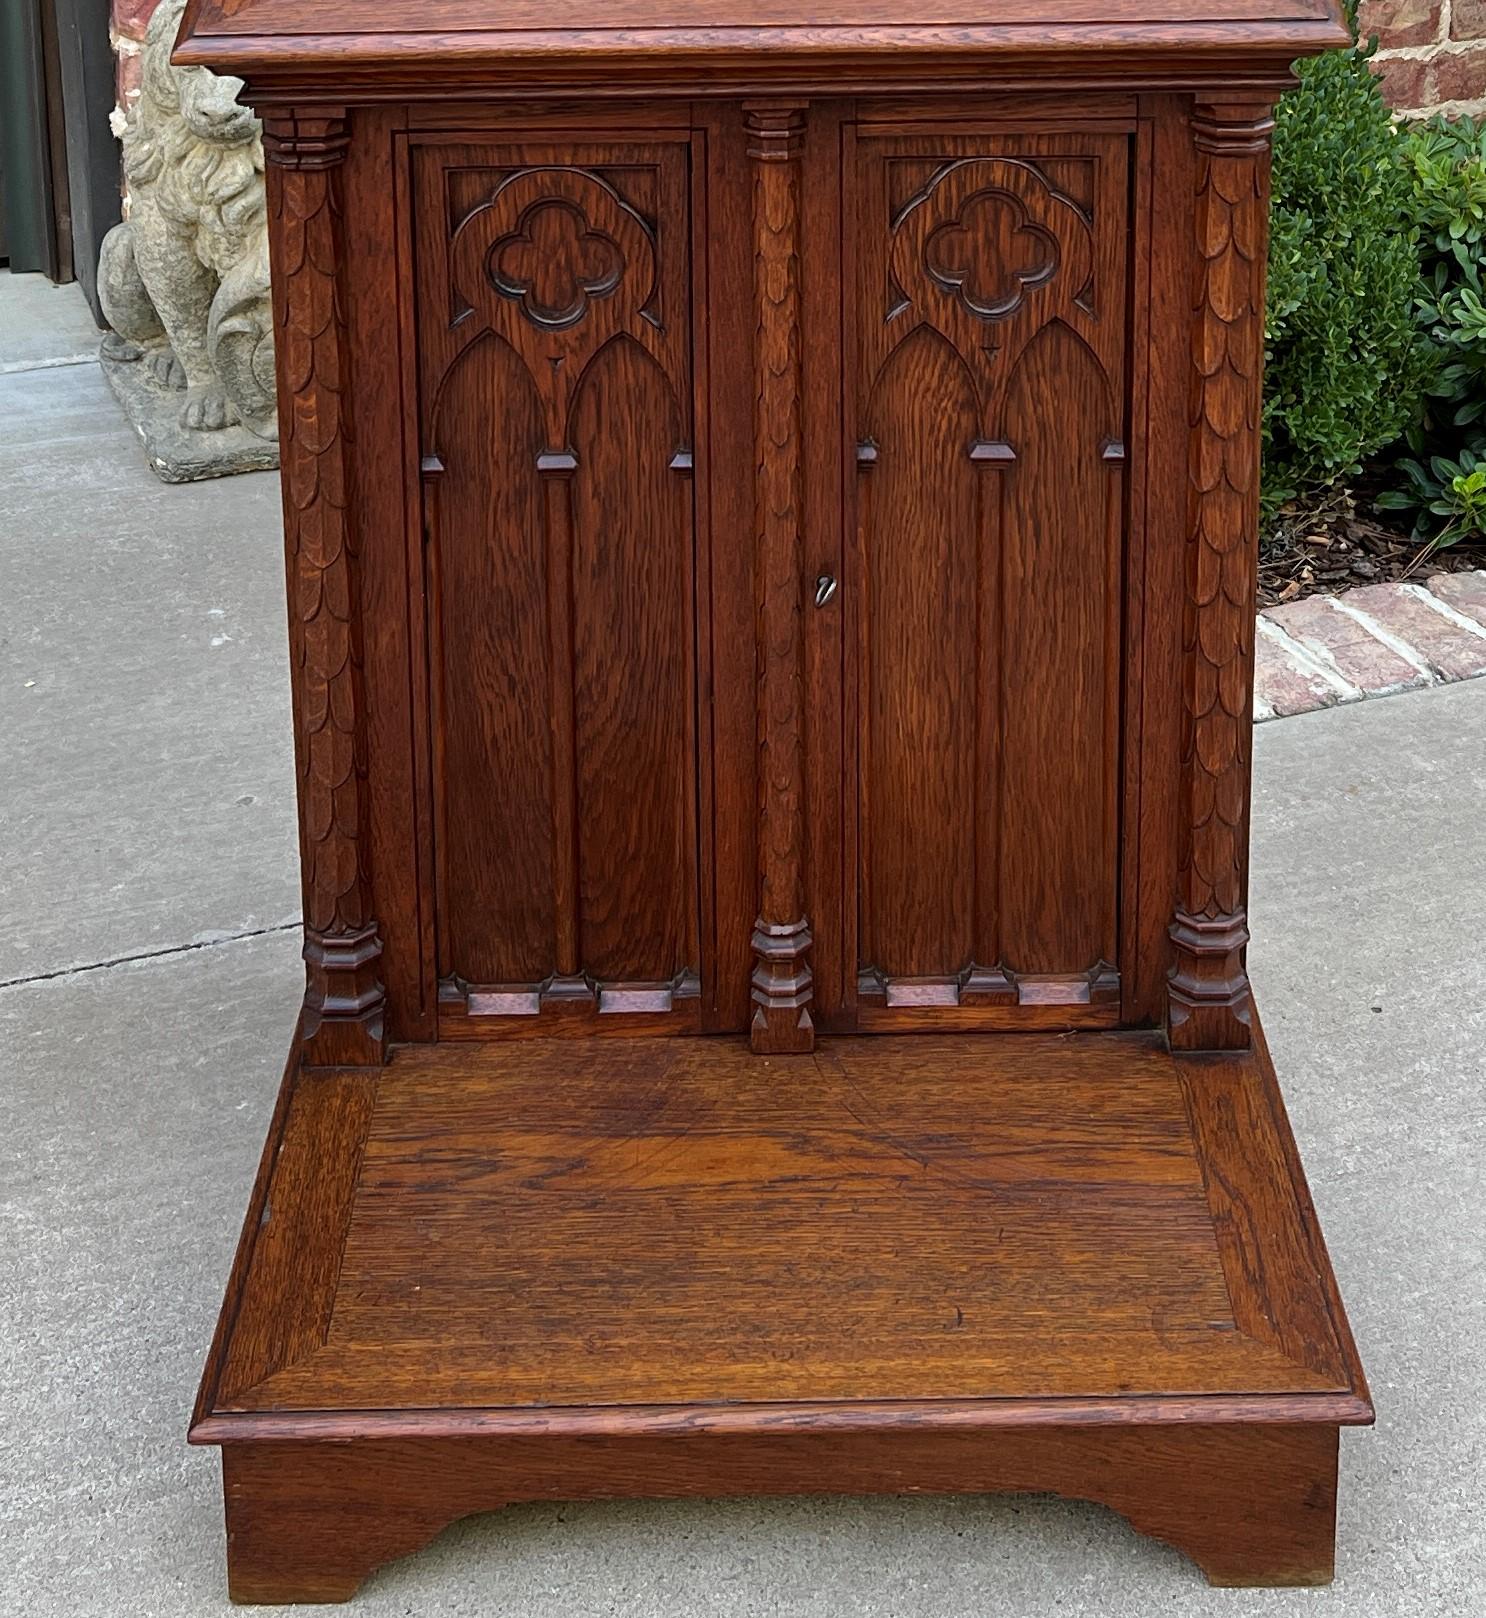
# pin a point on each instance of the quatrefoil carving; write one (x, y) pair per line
(557, 264)
(554, 263)
(987, 251)
(990, 254)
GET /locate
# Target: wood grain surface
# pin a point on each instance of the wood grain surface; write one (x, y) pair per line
(992, 334)
(402, 16)
(770, 511)
(1210, 998)
(308, 1522)
(708, 46)
(560, 559)
(781, 936)
(642, 1222)
(344, 997)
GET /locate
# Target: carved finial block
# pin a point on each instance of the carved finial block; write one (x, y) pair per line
(776, 130)
(307, 143)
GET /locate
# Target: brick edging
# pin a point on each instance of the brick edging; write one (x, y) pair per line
(1368, 642)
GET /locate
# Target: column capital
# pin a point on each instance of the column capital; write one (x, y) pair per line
(776, 130)
(1233, 127)
(299, 142)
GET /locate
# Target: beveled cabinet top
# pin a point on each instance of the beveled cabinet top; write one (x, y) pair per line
(722, 44)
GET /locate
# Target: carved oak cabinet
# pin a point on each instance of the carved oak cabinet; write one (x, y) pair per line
(770, 511)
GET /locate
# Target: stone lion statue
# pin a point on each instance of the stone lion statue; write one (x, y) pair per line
(184, 280)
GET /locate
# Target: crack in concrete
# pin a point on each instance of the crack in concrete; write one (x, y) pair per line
(22, 367)
(150, 955)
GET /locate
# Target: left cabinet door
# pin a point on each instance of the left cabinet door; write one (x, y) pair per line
(554, 295)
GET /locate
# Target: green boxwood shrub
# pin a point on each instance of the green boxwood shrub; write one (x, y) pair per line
(1443, 477)
(1346, 360)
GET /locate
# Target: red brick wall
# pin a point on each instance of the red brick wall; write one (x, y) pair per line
(1431, 53)
(130, 19)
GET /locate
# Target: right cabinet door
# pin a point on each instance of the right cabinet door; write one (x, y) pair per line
(990, 329)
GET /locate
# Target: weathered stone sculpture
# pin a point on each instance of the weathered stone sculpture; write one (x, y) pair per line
(184, 280)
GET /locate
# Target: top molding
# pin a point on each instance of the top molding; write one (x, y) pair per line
(384, 49)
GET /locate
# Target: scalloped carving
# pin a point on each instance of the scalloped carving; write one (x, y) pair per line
(344, 995)
(782, 981)
(1209, 989)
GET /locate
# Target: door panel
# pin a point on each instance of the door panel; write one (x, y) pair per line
(632, 682)
(495, 767)
(919, 662)
(555, 360)
(1059, 540)
(990, 332)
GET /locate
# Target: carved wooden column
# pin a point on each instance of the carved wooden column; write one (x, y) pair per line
(1209, 986)
(781, 935)
(343, 1006)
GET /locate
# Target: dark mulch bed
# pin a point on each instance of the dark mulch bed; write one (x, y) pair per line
(1335, 541)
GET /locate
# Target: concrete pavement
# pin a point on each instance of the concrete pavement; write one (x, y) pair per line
(148, 797)
(146, 821)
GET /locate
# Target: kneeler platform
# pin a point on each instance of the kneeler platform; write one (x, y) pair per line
(562, 1269)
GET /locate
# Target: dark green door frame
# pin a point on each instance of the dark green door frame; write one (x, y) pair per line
(86, 57)
(59, 161)
(27, 198)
